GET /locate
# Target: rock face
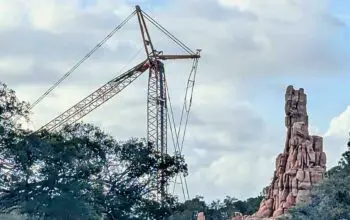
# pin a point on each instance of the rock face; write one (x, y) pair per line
(301, 165)
(200, 216)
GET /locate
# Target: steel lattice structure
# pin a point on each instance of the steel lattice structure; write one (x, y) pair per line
(157, 108)
(157, 117)
(96, 98)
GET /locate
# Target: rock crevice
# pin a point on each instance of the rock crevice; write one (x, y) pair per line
(301, 165)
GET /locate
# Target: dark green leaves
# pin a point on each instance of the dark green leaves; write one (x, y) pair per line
(216, 210)
(78, 173)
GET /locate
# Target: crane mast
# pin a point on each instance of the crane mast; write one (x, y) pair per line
(156, 105)
(157, 108)
(157, 120)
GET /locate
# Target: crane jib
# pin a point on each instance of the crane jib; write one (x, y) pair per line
(157, 95)
(97, 98)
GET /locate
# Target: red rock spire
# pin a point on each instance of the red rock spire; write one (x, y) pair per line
(301, 165)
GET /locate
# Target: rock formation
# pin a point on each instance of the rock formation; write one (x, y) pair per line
(301, 165)
(200, 216)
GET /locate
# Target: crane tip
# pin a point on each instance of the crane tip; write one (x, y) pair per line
(138, 8)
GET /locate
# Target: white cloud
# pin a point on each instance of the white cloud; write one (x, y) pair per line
(241, 172)
(12, 65)
(11, 14)
(314, 130)
(242, 4)
(340, 125)
(336, 137)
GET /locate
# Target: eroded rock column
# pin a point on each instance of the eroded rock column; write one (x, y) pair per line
(301, 165)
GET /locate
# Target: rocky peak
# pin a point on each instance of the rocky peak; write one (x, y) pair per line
(301, 165)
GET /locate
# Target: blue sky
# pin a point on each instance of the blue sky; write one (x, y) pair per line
(340, 7)
(328, 93)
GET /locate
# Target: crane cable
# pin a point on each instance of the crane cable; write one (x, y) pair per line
(176, 147)
(185, 110)
(58, 126)
(130, 60)
(167, 33)
(82, 60)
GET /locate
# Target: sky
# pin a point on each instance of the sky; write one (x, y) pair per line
(251, 51)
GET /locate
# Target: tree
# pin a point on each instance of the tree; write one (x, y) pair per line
(252, 205)
(83, 172)
(11, 217)
(343, 168)
(11, 109)
(189, 209)
(216, 210)
(78, 173)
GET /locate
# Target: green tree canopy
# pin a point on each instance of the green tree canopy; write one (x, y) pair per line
(216, 210)
(77, 173)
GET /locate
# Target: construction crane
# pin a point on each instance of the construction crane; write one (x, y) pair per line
(157, 96)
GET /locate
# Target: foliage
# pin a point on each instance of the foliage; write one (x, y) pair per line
(216, 210)
(78, 173)
(81, 172)
(11, 217)
(189, 209)
(10, 110)
(251, 205)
